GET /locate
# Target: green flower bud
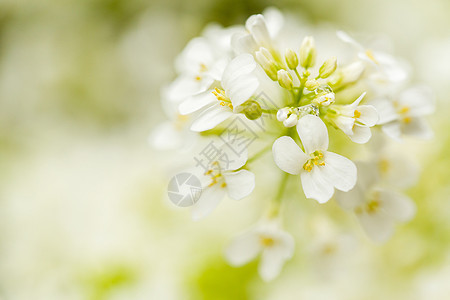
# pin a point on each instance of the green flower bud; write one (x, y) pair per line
(328, 67)
(267, 62)
(285, 79)
(312, 84)
(307, 53)
(251, 109)
(291, 59)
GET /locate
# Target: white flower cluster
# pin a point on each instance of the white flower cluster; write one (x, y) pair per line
(228, 74)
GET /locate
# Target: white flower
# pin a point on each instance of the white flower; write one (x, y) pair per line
(388, 67)
(354, 120)
(199, 67)
(223, 178)
(261, 30)
(173, 133)
(404, 116)
(396, 169)
(376, 208)
(275, 246)
(320, 171)
(238, 84)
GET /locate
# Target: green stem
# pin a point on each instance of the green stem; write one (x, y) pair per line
(260, 153)
(276, 203)
(269, 111)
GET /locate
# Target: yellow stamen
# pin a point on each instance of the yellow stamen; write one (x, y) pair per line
(371, 56)
(384, 165)
(316, 160)
(404, 110)
(267, 241)
(357, 114)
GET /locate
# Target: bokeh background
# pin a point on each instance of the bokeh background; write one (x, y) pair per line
(83, 206)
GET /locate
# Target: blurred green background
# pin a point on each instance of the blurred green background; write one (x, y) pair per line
(83, 209)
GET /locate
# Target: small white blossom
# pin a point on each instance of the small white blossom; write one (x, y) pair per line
(321, 171)
(389, 68)
(261, 29)
(405, 115)
(238, 84)
(354, 120)
(377, 208)
(223, 178)
(275, 246)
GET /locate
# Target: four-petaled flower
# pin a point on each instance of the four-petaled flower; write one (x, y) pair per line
(405, 115)
(377, 208)
(320, 171)
(275, 245)
(237, 86)
(354, 120)
(221, 178)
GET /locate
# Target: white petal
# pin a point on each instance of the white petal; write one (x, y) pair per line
(397, 206)
(241, 65)
(355, 103)
(274, 20)
(230, 159)
(196, 102)
(243, 248)
(211, 117)
(345, 124)
(343, 36)
(288, 156)
(241, 89)
(340, 171)
(186, 85)
(197, 51)
(315, 186)
(313, 133)
(361, 134)
(386, 110)
(369, 115)
(398, 170)
(240, 184)
(243, 42)
(379, 227)
(256, 25)
(351, 199)
(418, 127)
(393, 130)
(419, 99)
(210, 198)
(166, 136)
(271, 263)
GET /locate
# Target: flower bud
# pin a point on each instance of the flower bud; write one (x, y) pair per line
(291, 59)
(326, 99)
(267, 62)
(328, 67)
(291, 121)
(283, 114)
(251, 109)
(312, 84)
(307, 53)
(285, 79)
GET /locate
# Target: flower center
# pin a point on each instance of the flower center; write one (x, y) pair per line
(266, 241)
(404, 112)
(357, 114)
(216, 175)
(372, 206)
(384, 165)
(203, 68)
(316, 159)
(220, 95)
